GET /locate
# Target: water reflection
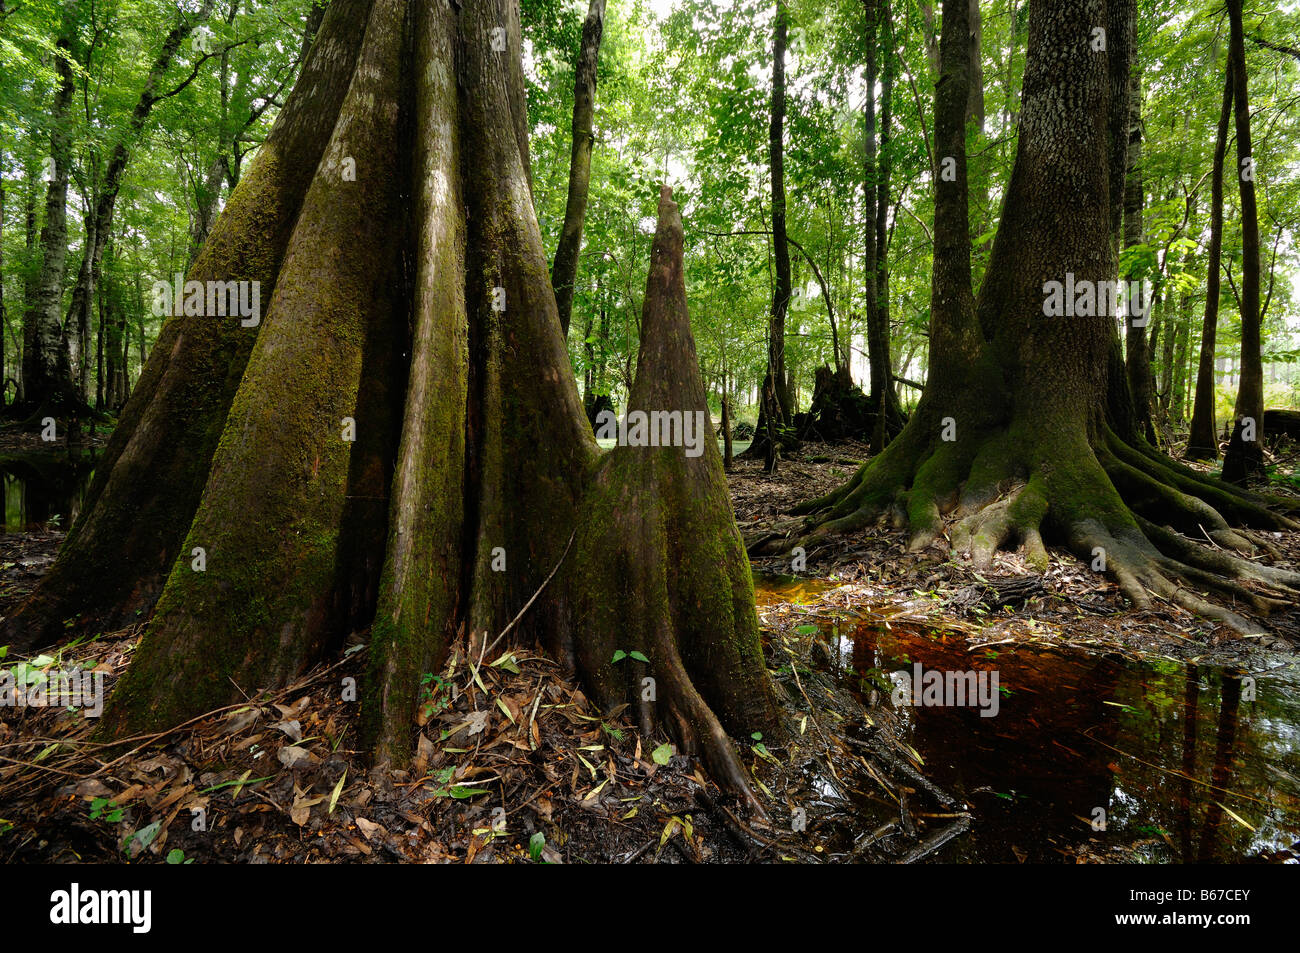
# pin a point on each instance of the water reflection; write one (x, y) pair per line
(1181, 762)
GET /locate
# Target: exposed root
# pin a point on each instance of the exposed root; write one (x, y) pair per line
(1156, 528)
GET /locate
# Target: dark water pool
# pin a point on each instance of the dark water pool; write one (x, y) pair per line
(1188, 762)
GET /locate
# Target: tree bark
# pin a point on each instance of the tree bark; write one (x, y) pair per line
(282, 579)
(1203, 440)
(1137, 344)
(47, 382)
(1020, 442)
(564, 271)
(1245, 458)
(776, 371)
(636, 549)
(146, 488)
(883, 400)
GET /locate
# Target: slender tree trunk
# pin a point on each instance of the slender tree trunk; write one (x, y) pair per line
(1245, 458)
(1137, 345)
(76, 328)
(564, 271)
(780, 247)
(105, 310)
(1203, 441)
(1178, 403)
(4, 317)
(877, 356)
(889, 417)
(207, 204)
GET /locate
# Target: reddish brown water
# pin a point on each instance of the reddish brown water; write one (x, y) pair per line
(1185, 765)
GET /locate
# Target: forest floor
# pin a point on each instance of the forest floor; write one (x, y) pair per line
(1067, 604)
(514, 764)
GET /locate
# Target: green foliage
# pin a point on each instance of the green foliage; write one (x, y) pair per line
(102, 808)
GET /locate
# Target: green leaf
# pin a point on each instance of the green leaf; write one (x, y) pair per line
(662, 754)
(806, 629)
(338, 789)
(535, 845)
(144, 837)
(639, 657)
(619, 655)
(461, 793)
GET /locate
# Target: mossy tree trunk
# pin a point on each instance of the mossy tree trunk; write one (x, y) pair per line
(147, 486)
(658, 566)
(1020, 435)
(457, 489)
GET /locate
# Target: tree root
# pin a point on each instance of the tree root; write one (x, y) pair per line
(1125, 509)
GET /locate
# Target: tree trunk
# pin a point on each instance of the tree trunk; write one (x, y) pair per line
(31, 289)
(1119, 38)
(1203, 441)
(47, 382)
(883, 400)
(1245, 458)
(1020, 443)
(297, 539)
(207, 204)
(99, 223)
(143, 496)
(1137, 345)
(565, 270)
(1178, 403)
(776, 370)
(4, 318)
(771, 436)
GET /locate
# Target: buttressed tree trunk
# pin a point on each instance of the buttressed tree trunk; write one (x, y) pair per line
(460, 489)
(146, 487)
(565, 269)
(1013, 439)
